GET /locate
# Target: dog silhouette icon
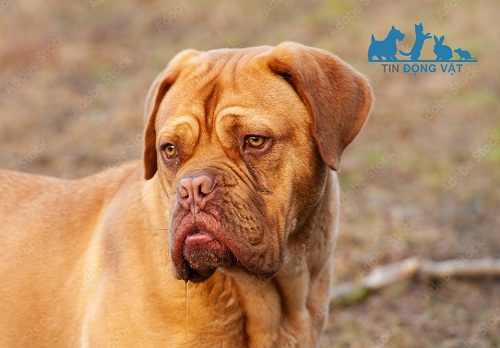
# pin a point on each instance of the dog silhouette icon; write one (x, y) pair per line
(386, 48)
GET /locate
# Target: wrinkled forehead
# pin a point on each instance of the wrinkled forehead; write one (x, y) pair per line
(228, 81)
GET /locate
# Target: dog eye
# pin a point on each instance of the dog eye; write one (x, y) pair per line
(170, 151)
(255, 141)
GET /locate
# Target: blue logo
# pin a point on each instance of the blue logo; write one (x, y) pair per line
(385, 51)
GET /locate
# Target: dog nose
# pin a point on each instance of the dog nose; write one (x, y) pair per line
(194, 192)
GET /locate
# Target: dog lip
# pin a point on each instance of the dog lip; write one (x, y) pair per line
(195, 276)
(202, 239)
(197, 250)
(204, 253)
(194, 232)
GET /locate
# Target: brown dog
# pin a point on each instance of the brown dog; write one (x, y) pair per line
(235, 196)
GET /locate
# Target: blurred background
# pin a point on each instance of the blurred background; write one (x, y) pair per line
(422, 178)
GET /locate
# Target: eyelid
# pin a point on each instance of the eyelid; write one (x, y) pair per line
(164, 147)
(248, 137)
(167, 148)
(267, 142)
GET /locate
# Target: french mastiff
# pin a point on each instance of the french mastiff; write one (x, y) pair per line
(235, 195)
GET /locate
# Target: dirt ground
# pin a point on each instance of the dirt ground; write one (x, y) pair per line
(422, 179)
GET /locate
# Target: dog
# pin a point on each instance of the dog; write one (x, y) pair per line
(386, 48)
(222, 235)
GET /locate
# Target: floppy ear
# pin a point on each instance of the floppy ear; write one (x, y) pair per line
(337, 97)
(155, 95)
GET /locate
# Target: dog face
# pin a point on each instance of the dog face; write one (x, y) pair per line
(241, 141)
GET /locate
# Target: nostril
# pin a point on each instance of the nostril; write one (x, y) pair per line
(192, 191)
(183, 192)
(203, 185)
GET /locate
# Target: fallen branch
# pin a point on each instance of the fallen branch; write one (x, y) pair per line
(460, 268)
(383, 276)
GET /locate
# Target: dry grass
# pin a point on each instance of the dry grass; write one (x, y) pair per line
(403, 162)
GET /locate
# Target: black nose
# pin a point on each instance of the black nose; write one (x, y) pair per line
(195, 191)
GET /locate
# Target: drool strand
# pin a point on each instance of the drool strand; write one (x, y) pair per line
(186, 320)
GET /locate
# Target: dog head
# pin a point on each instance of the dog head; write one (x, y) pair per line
(241, 141)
